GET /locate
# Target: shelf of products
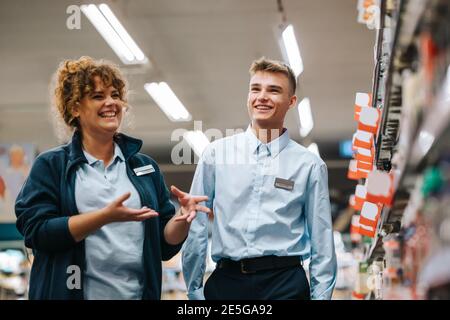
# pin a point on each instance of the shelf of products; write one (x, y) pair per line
(14, 273)
(404, 256)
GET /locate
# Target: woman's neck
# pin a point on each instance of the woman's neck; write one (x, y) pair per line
(100, 148)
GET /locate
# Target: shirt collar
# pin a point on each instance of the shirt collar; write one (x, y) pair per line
(274, 146)
(128, 145)
(117, 154)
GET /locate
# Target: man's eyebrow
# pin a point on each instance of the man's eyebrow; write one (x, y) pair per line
(276, 87)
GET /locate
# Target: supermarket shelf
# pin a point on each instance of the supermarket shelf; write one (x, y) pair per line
(432, 135)
(380, 52)
(390, 222)
(375, 250)
(395, 213)
(386, 94)
(433, 127)
(409, 17)
(412, 12)
(387, 90)
(391, 218)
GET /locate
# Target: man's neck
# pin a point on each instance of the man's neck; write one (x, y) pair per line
(100, 148)
(266, 135)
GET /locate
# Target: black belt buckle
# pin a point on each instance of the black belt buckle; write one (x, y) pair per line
(242, 263)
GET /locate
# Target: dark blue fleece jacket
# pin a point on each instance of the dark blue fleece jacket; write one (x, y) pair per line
(47, 200)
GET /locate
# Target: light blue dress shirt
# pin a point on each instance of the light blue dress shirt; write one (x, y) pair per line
(114, 253)
(253, 218)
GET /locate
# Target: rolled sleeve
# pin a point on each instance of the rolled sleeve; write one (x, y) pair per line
(323, 267)
(196, 245)
(196, 295)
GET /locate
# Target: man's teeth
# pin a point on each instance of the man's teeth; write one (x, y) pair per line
(109, 114)
(263, 107)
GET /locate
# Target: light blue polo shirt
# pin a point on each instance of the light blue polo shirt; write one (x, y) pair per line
(114, 253)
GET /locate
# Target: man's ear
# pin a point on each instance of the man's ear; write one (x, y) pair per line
(293, 102)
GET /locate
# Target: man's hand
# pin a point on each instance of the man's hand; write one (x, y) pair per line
(189, 205)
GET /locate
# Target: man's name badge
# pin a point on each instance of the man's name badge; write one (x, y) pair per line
(144, 170)
(284, 184)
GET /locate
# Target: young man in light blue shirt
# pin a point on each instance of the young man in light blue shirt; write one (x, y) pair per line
(271, 206)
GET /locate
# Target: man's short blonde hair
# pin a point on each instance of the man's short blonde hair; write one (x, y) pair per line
(268, 65)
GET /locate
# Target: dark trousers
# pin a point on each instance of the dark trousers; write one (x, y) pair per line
(277, 284)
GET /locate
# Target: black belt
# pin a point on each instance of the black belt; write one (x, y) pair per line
(253, 265)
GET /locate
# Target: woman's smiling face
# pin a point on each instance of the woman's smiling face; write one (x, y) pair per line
(100, 111)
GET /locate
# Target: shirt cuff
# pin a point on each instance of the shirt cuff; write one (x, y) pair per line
(196, 294)
(322, 293)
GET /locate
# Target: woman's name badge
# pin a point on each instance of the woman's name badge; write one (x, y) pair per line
(144, 170)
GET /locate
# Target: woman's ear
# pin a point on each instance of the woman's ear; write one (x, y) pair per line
(76, 110)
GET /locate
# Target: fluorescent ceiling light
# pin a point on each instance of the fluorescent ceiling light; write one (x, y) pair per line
(305, 115)
(292, 50)
(114, 33)
(166, 99)
(447, 86)
(115, 23)
(314, 149)
(197, 140)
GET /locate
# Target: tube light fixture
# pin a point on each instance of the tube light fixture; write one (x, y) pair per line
(114, 33)
(169, 103)
(314, 148)
(197, 140)
(291, 50)
(305, 115)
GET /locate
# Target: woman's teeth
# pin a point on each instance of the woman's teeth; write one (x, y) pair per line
(109, 114)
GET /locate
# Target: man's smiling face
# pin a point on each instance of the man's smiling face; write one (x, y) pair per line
(270, 97)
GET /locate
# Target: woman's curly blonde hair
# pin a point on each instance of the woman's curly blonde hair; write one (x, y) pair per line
(73, 80)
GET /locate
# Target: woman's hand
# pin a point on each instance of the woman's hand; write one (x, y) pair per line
(82, 225)
(189, 205)
(117, 212)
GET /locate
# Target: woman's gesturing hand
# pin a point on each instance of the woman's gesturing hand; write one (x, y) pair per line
(189, 205)
(117, 212)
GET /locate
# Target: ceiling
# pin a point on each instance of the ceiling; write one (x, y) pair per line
(202, 48)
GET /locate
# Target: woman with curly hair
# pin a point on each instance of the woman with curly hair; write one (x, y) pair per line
(96, 211)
